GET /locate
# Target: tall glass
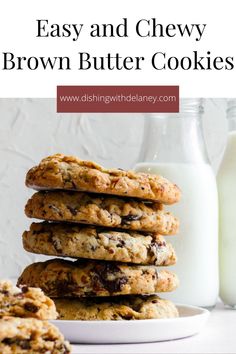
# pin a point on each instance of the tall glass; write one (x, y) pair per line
(227, 196)
(174, 147)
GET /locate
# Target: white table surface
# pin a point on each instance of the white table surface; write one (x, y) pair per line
(219, 336)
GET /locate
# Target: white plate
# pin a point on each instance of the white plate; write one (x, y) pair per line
(192, 319)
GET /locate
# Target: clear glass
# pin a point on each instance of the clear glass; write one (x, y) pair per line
(173, 146)
(227, 196)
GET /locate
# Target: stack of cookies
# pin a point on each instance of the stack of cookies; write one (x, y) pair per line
(112, 223)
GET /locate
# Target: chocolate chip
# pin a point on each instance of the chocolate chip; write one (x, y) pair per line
(128, 218)
(24, 289)
(93, 248)
(64, 286)
(160, 243)
(72, 210)
(126, 317)
(4, 292)
(28, 306)
(120, 244)
(104, 277)
(23, 343)
(145, 271)
(8, 341)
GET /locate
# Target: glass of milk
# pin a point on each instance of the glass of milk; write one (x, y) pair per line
(227, 197)
(173, 146)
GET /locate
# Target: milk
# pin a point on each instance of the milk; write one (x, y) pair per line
(227, 196)
(197, 243)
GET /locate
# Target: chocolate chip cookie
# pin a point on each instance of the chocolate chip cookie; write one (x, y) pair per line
(80, 241)
(101, 210)
(69, 172)
(30, 336)
(83, 278)
(116, 308)
(25, 302)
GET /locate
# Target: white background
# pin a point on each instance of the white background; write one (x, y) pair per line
(18, 31)
(30, 130)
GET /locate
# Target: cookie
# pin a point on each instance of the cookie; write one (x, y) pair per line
(25, 302)
(69, 172)
(101, 210)
(80, 241)
(30, 336)
(83, 278)
(116, 308)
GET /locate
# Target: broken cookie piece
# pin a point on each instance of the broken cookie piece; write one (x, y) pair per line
(31, 336)
(24, 301)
